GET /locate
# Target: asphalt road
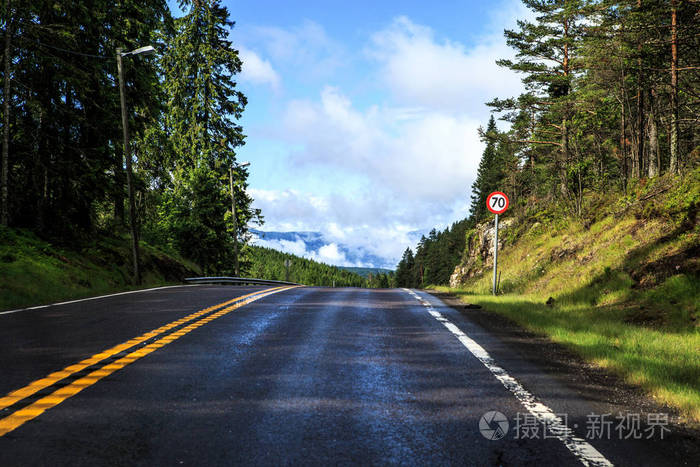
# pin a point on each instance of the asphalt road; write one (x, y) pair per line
(301, 376)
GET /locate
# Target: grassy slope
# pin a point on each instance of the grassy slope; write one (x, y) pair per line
(626, 287)
(34, 272)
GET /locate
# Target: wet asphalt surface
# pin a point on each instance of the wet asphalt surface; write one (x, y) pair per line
(307, 376)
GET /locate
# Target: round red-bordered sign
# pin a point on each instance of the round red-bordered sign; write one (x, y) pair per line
(497, 202)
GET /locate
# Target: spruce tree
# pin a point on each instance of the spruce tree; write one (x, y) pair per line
(204, 103)
(487, 176)
(203, 108)
(404, 270)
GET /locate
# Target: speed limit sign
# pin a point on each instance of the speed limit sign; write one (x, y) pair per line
(497, 202)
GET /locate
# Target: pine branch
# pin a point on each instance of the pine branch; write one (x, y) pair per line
(530, 141)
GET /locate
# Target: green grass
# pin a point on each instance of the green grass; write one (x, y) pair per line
(663, 361)
(626, 290)
(36, 272)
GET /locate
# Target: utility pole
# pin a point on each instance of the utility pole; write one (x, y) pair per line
(236, 264)
(4, 208)
(127, 155)
(129, 181)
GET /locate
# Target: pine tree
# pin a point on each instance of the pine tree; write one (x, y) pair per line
(404, 270)
(547, 54)
(488, 174)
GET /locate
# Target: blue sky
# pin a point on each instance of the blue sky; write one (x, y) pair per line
(362, 116)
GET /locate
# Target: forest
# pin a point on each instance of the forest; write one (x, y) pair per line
(611, 100)
(164, 172)
(270, 264)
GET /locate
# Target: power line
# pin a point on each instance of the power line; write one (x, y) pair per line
(38, 42)
(73, 52)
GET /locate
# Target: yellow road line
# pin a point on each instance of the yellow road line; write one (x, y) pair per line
(53, 378)
(18, 418)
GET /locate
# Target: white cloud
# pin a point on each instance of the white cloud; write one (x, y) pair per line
(418, 155)
(305, 47)
(442, 74)
(369, 225)
(289, 210)
(331, 255)
(256, 70)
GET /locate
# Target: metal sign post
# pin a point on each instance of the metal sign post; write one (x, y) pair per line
(495, 255)
(497, 202)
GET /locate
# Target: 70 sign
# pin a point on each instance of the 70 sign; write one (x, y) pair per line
(497, 202)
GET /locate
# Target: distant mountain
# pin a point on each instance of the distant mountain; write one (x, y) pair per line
(365, 272)
(314, 245)
(313, 240)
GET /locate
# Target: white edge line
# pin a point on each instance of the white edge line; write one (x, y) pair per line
(585, 452)
(95, 298)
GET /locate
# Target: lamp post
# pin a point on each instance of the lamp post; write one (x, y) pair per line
(233, 215)
(127, 155)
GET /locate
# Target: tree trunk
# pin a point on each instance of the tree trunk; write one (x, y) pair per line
(623, 146)
(564, 124)
(4, 208)
(653, 153)
(638, 165)
(564, 156)
(624, 166)
(41, 176)
(119, 183)
(675, 158)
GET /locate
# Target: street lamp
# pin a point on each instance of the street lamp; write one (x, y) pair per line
(233, 212)
(127, 154)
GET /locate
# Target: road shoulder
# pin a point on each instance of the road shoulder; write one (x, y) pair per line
(572, 371)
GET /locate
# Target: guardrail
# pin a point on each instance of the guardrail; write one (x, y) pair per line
(235, 280)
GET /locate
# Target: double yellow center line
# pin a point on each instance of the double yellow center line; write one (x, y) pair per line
(31, 411)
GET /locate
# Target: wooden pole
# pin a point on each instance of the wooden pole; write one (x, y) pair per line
(129, 181)
(4, 204)
(236, 265)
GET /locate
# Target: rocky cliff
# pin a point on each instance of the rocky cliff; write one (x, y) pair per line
(478, 254)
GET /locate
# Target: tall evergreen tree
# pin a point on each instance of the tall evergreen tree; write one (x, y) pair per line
(405, 271)
(488, 174)
(547, 54)
(204, 104)
(203, 108)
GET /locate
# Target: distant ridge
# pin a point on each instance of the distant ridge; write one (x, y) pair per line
(309, 245)
(365, 272)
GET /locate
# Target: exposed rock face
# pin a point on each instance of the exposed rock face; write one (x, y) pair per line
(479, 251)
